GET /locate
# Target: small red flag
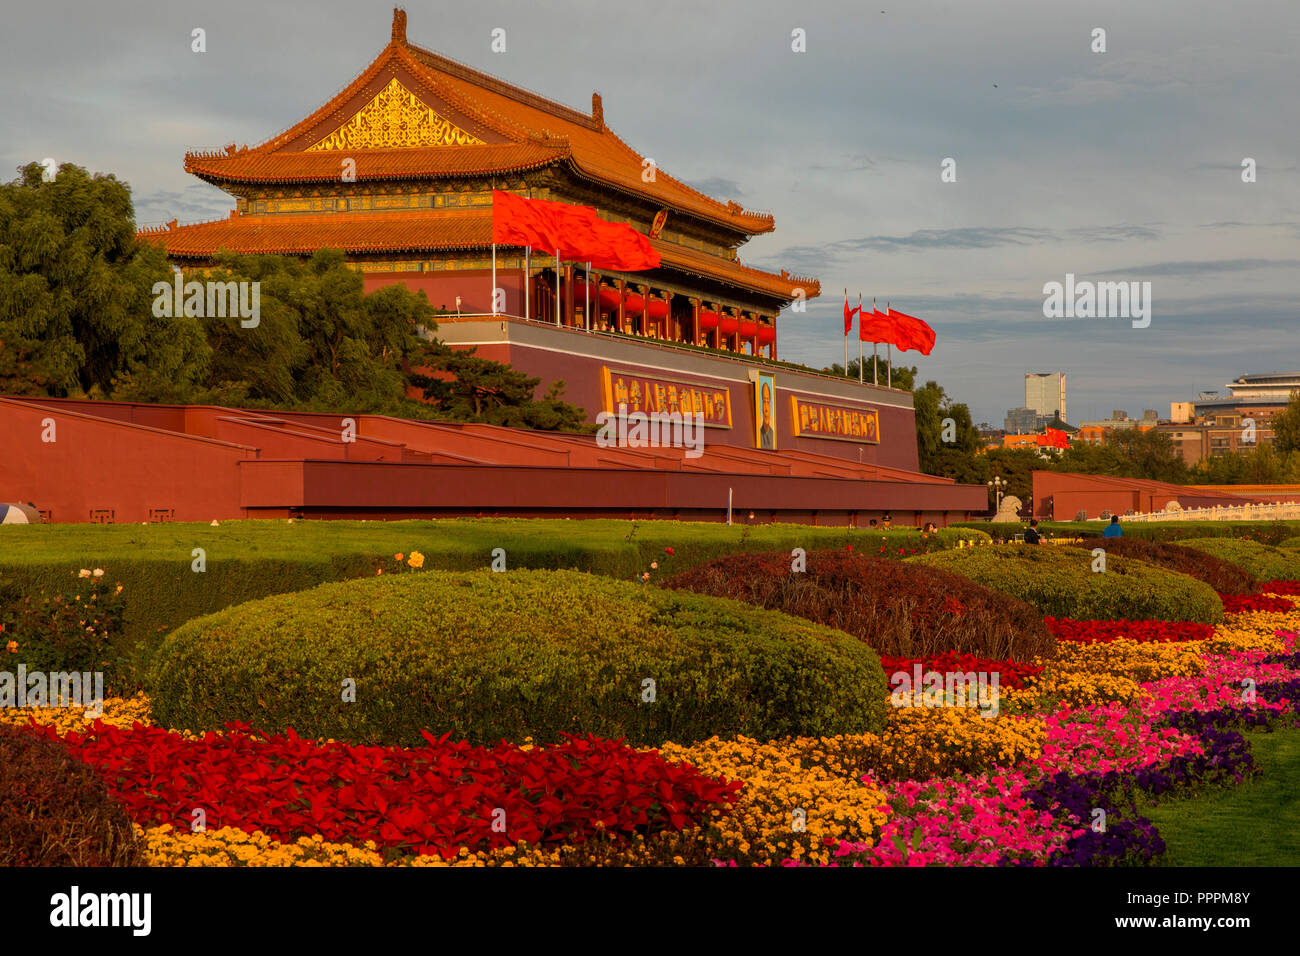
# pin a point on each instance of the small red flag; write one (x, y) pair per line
(848, 315)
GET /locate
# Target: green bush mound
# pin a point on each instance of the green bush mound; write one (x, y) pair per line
(1264, 562)
(900, 609)
(1223, 577)
(1290, 542)
(489, 656)
(246, 560)
(55, 810)
(1060, 582)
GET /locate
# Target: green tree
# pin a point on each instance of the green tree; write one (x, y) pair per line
(1286, 426)
(903, 377)
(76, 292)
(464, 387)
(946, 438)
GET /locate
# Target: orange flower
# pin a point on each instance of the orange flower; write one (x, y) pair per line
(12, 647)
(399, 556)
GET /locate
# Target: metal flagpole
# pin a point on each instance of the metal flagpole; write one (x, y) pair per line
(875, 353)
(859, 338)
(557, 286)
(846, 334)
(527, 269)
(494, 278)
(586, 293)
(889, 346)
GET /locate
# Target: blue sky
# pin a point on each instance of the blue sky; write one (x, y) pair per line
(1117, 165)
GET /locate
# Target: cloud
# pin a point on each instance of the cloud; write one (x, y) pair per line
(717, 186)
(1199, 267)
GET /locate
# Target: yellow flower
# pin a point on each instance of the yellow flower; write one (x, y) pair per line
(416, 560)
(12, 647)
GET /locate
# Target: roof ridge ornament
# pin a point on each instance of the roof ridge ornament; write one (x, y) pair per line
(399, 26)
(597, 111)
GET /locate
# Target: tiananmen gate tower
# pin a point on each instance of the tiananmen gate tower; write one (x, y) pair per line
(398, 171)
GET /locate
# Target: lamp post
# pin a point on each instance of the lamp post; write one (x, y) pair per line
(996, 486)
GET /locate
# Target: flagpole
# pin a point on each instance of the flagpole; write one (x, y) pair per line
(586, 297)
(846, 334)
(859, 338)
(557, 286)
(875, 353)
(889, 351)
(527, 269)
(494, 278)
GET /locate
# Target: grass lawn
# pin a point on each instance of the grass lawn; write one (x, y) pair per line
(1257, 824)
(252, 559)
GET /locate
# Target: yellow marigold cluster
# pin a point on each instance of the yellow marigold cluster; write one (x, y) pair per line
(118, 711)
(1251, 630)
(921, 742)
(230, 846)
(1076, 688)
(792, 804)
(1137, 661)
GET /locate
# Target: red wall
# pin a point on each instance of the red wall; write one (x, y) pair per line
(474, 286)
(96, 464)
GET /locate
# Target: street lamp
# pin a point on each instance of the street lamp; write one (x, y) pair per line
(996, 486)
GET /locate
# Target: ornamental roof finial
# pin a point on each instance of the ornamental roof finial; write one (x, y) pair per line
(597, 110)
(399, 25)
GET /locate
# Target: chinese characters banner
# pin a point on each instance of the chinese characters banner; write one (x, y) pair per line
(658, 396)
(815, 420)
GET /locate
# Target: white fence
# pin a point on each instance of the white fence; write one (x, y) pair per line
(1283, 511)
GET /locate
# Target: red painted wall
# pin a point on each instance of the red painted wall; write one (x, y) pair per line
(474, 286)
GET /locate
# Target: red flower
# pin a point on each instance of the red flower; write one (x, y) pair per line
(431, 799)
(669, 551)
(1103, 632)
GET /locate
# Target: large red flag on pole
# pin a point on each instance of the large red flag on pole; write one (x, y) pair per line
(913, 333)
(848, 327)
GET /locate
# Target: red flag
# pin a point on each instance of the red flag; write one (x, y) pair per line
(575, 231)
(848, 315)
(914, 333)
(876, 326)
(1057, 438)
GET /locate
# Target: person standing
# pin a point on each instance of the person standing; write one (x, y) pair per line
(1031, 535)
(1113, 530)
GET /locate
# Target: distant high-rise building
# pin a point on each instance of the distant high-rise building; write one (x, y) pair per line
(1045, 393)
(1021, 421)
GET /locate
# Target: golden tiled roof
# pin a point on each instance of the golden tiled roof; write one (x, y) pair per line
(509, 128)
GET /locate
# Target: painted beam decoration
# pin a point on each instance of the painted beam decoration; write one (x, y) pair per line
(661, 396)
(817, 420)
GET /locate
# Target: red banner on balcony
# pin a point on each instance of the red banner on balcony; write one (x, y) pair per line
(576, 232)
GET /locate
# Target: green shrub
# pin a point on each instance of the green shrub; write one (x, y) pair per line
(486, 657)
(900, 609)
(1223, 577)
(69, 630)
(246, 560)
(1060, 582)
(55, 810)
(1290, 542)
(1265, 563)
(1265, 532)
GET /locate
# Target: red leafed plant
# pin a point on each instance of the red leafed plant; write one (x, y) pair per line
(1237, 603)
(432, 799)
(1280, 587)
(1103, 632)
(1011, 674)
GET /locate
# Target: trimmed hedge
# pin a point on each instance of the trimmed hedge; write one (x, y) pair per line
(55, 810)
(1265, 563)
(1060, 582)
(1265, 532)
(246, 560)
(1290, 542)
(1223, 577)
(486, 656)
(900, 609)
